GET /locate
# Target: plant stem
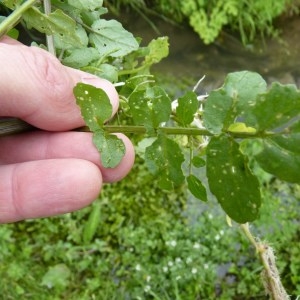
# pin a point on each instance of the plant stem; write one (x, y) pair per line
(10, 126)
(270, 274)
(49, 38)
(14, 18)
(166, 130)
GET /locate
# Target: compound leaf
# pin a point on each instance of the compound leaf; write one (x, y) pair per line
(231, 181)
(94, 104)
(164, 157)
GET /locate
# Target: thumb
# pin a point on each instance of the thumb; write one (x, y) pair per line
(37, 88)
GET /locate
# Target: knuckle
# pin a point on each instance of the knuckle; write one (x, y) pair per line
(55, 84)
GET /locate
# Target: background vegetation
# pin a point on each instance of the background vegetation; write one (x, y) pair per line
(149, 244)
(250, 19)
(139, 242)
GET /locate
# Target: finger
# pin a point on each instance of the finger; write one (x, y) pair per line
(46, 188)
(37, 88)
(8, 40)
(46, 145)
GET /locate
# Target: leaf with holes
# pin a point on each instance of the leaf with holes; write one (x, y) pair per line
(110, 147)
(150, 107)
(234, 99)
(111, 39)
(276, 109)
(164, 158)
(94, 104)
(231, 181)
(186, 109)
(57, 23)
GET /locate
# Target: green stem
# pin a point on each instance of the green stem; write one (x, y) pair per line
(49, 38)
(189, 131)
(10, 126)
(133, 71)
(14, 18)
(271, 278)
(166, 130)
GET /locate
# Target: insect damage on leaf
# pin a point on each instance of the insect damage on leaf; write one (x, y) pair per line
(96, 109)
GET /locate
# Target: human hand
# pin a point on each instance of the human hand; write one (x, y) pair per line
(51, 171)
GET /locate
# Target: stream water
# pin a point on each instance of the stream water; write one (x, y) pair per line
(275, 60)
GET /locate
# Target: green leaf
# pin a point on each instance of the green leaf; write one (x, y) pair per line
(86, 4)
(110, 147)
(231, 181)
(90, 227)
(78, 58)
(57, 23)
(110, 38)
(280, 156)
(196, 187)
(150, 107)
(158, 49)
(198, 162)
(57, 277)
(275, 109)
(186, 109)
(234, 99)
(164, 158)
(106, 71)
(94, 104)
(12, 4)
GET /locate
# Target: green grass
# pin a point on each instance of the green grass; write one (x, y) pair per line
(149, 244)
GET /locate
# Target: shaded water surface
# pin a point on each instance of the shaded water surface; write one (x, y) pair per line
(189, 58)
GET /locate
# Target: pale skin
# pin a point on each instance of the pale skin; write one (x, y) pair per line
(54, 170)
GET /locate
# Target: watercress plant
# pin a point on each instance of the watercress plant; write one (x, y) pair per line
(242, 121)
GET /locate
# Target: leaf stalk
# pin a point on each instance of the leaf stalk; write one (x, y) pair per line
(14, 18)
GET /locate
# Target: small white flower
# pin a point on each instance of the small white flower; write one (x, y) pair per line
(138, 267)
(210, 216)
(165, 269)
(217, 237)
(148, 278)
(147, 288)
(194, 271)
(178, 260)
(221, 232)
(173, 243)
(178, 277)
(189, 260)
(206, 266)
(196, 246)
(170, 263)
